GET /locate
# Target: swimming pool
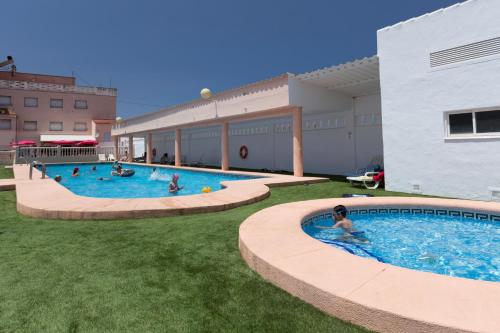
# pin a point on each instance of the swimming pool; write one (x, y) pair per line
(449, 245)
(142, 185)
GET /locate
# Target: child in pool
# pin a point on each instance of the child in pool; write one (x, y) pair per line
(75, 172)
(174, 187)
(339, 216)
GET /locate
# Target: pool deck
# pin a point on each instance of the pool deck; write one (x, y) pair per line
(7, 184)
(45, 198)
(378, 296)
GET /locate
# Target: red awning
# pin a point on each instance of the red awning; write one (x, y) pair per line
(63, 142)
(87, 143)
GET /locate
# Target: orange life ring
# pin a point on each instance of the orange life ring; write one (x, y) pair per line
(243, 152)
(154, 151)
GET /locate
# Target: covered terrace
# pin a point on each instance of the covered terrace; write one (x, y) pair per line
(288, 95)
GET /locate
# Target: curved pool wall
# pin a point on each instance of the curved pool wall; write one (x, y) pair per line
(143, 184)
(443, 241)
(45, 198)
(379, 296)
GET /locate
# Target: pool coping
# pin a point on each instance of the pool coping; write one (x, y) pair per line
(378, 296)
(45, 198)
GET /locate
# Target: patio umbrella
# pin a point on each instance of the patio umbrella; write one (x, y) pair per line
(23, 143)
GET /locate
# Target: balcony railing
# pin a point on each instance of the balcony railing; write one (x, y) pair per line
(65, 154)
(55, 154)
(26, 85)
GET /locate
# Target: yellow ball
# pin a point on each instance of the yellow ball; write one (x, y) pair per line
(205, 93)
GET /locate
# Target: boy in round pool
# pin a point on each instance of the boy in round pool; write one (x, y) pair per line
(340, 220)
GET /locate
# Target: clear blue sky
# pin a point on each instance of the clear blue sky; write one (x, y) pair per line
(159, 53)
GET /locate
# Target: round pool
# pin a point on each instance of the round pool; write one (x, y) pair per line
(448, 244)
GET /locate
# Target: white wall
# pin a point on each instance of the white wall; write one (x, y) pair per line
(415, 97)
(335, 141)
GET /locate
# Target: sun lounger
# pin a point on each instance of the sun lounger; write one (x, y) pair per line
(102, 157)
(111, 157)
(366, 180)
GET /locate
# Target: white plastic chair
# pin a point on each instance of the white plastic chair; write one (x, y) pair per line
(102, 157)
(111, 157)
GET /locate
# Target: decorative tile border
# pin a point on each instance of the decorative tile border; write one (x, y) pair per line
(481, 216)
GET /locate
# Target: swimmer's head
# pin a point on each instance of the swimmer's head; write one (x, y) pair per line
(58, 178)
(340, 210)
(175, 177)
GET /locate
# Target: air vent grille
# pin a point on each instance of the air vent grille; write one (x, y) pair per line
(471, 51)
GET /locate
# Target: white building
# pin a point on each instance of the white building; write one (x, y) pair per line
(329, 121)
(440, 78)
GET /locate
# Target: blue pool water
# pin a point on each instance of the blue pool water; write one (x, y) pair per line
(141, 185)
(454, 246)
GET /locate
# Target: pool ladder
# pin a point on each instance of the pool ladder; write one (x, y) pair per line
(44, 169)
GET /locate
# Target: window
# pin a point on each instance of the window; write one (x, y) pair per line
(80, 127)
(80, 104)
(488, 122)
(30, 125)
(474, 123)
(5, 124)
(106, 137)
(30, 102)
(56, 103)
(461, 123)
(5, 100)
(55, 126)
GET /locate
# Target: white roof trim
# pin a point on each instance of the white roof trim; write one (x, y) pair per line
(417, 18)
(356, 78)
(66, 137)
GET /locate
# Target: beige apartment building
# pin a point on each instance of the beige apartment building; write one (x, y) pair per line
(46, 108)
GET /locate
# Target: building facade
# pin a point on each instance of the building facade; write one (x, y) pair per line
(440, 79)
(44, 108)
(428, 102)
(340, 123)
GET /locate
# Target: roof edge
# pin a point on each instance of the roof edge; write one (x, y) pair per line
(438, 11)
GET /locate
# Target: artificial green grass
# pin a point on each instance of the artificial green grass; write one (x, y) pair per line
(5, 173)
(176, 274)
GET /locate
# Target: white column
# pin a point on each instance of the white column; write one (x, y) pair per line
(149, 148)
(298, 166)
(130, 148)
(117, 150)
(178, 150)
(224, 139)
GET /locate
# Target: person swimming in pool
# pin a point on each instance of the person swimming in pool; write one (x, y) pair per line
(94, 168)
(174, 187)
(339, 217)
(75, 172)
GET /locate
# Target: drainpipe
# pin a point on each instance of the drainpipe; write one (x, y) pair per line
(354, 133)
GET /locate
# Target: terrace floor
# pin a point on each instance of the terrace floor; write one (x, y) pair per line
(175, 274)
